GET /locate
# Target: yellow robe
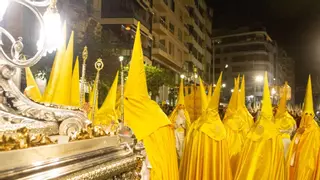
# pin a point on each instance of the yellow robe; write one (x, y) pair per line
(262, 156)
(206, 154)
(303, 160)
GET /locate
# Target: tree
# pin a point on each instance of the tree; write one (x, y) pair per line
(156, 77)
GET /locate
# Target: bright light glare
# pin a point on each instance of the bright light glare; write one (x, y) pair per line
(196, 76)
(182, 76)
(259, 78)
(251, 96)
(3, 7)
(121, 58)
(224, 85)
(273, 91)
(52, 32)
(226, 66)
(214, 85)
(232, 90)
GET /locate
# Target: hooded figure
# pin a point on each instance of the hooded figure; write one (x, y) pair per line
(181, 121)
(284, 120)
(234, 123)
(147, 121)
(206, 153)
(107, 116)
(262, 155)
(245, 114)
(303, 160)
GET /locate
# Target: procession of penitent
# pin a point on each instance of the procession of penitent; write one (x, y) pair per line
(196, 146)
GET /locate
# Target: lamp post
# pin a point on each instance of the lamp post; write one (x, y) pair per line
(122, 91)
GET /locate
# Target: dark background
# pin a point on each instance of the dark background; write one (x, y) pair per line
(293, 24)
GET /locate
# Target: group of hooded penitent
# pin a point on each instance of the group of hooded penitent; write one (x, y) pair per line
(239, 148)
(210, 149)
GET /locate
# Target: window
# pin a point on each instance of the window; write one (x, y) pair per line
(179, 55)
(180, 34)
(171, 28)
(171, 49)
(217, 60)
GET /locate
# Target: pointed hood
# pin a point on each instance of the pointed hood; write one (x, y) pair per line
(204, 100)
(181, 93)
(63, 88)
(233, 102)
(55, 70)
(266, 109)
(215, 99)
(283, 119)
(75, 85)
(138, 107)
(308, 99)
(32, 89)
(137, 71)
(109, 103)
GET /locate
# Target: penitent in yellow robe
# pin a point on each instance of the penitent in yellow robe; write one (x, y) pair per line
(206, 154)
(262, 156)
(304, 151)
(234, 123)
(148, 122)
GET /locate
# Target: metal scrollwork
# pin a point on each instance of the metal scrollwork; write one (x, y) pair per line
(17, 45)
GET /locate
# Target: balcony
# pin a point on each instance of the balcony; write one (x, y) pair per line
(196, 28)
(190, 39)
(160, 52)
(161, 5)
(195, 61)
(160, 26)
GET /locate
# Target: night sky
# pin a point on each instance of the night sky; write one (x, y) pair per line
(294, 24)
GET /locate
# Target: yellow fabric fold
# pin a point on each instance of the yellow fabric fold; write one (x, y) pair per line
(32, 90)
(303, 160)
(75, 85)
(206, 153)
(262, 156)
(107, 114)
(62, 89)
(147, 120)
(234, 123)
(245, 114)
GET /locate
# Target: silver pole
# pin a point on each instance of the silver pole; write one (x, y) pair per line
(122, 92)
(98, 65)
(83, 75)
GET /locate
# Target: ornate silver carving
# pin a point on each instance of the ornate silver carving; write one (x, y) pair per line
(16, 108)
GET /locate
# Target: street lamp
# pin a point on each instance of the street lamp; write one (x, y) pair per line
(182, 76)
(224, 85)
(52, 28)
(232, 90)
(226, 66)
(3, 7)
(259, 79)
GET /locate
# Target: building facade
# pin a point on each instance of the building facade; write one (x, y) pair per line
(248, 52)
